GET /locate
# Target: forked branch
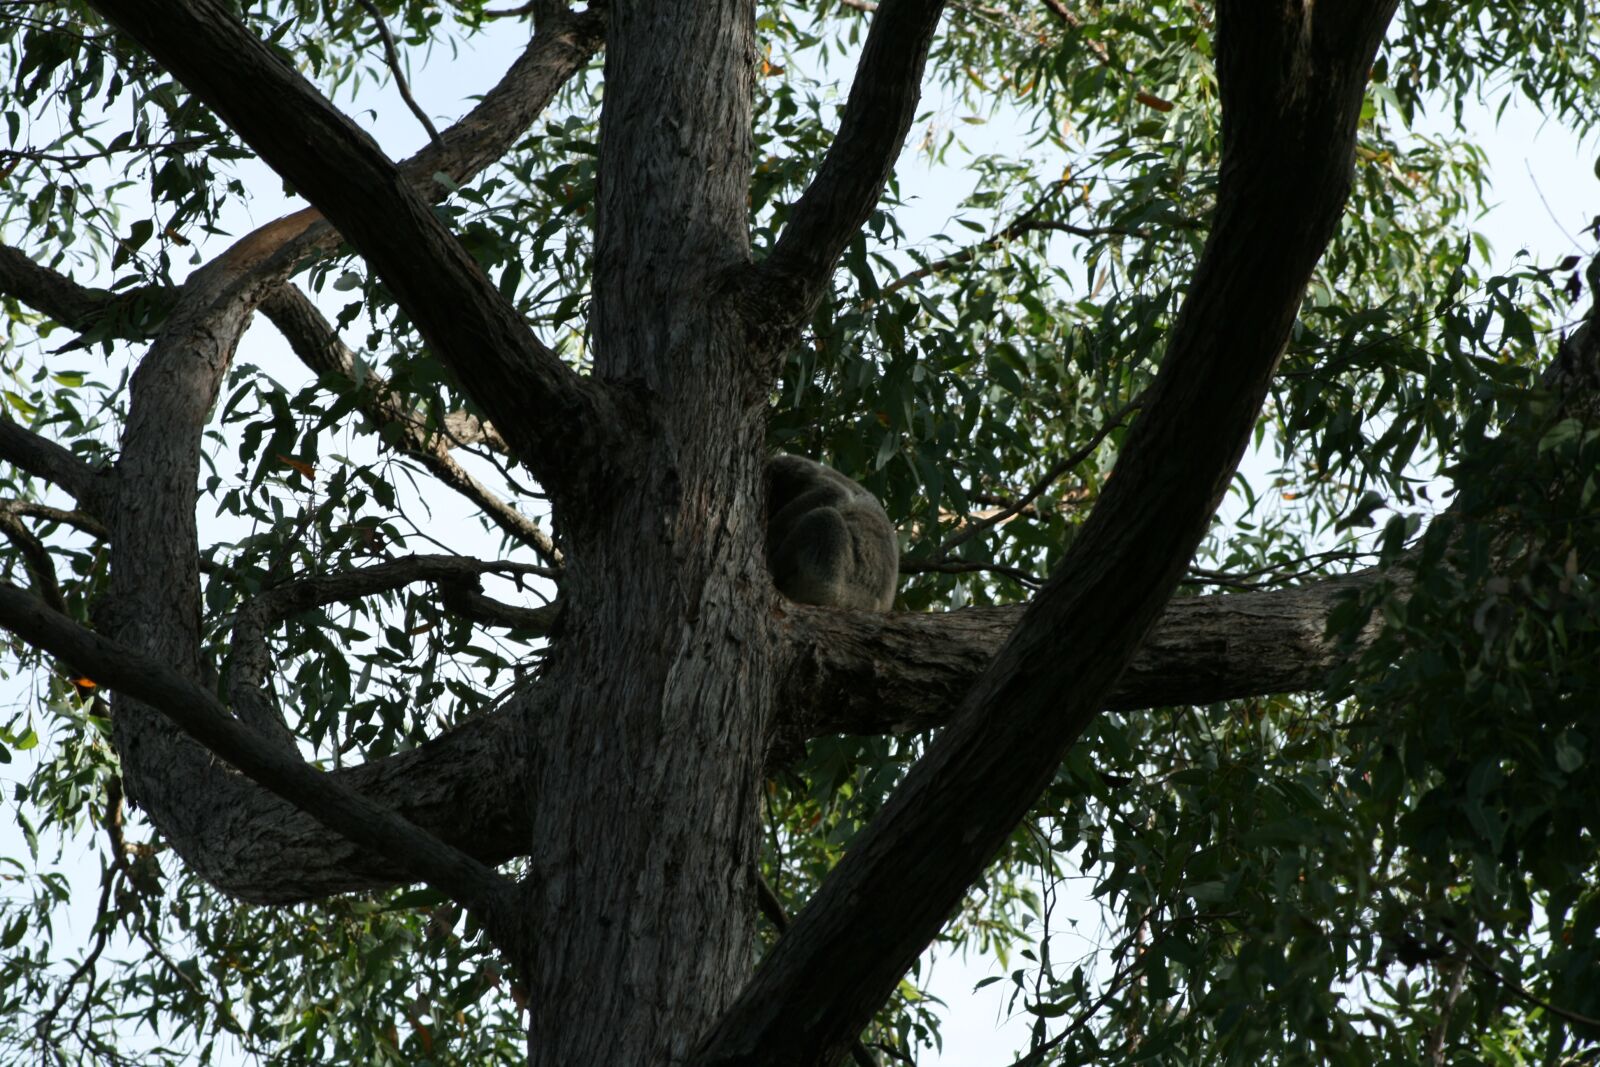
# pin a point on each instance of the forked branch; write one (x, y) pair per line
(555, 420)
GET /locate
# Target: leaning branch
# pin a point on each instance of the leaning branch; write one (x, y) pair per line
(1291, 87)
(555, 420)
(877, 115)
(198, 714)
(315, 341)
(43, 458)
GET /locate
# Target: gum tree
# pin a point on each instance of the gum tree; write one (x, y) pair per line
(1333, 820)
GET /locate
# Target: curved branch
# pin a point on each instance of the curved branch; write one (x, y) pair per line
(883, 100)
(250, 660)
(555, 420)
(37, 558)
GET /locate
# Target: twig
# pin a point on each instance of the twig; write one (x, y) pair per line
(959, 566)
(1061, 467)
(314, 340)
(117, 865)
(400, 83)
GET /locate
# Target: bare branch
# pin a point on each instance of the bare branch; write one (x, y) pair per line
(317, 344)
(198, 713)
(76, 519)
(872, 131)
(974, 566)
(392, 55)
(487, 611)
(555, 420)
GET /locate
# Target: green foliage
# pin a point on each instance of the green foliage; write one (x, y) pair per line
(1339, 878)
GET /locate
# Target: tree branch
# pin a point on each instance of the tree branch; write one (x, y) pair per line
(392, 56)
(1291, 88)
(317, 344)
(882, 102)
(866, 673)
(1057, 469)
(37, 558)
(197, 712)
(554, 420)
(43, 458)
(130, 314)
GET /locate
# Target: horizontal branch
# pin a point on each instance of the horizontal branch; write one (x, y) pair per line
(201, 716)
(865, 673)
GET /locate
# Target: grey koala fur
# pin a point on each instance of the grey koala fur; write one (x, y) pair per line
(829, 541)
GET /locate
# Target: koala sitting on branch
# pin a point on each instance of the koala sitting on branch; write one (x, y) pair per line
(829, 541)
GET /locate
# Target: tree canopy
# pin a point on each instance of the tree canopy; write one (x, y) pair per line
(425, 697)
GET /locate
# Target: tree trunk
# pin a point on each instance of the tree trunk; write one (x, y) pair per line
(645, 759)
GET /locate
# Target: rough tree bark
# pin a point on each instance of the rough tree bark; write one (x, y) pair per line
(628, 775)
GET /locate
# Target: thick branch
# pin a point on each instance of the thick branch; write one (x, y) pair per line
(857, 672)
(872, 131)
(556, 421)
(197, 712)
(317, 344)
(1291, 88)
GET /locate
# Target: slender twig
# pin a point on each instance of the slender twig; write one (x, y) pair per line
(1523, 992)
(393, 54)
(1000, 237)
(1061, 467)
(117, 865)
(314, 340)
(958, 566)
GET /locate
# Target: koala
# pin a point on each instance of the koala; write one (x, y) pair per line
(829, 541)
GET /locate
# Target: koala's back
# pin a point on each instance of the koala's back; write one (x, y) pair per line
(829, 541)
